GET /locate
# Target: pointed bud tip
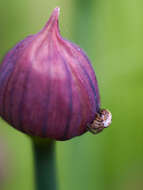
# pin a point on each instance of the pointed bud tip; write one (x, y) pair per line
(56, 11)
(53, 19)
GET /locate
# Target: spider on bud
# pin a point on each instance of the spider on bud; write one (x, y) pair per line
(102, 120)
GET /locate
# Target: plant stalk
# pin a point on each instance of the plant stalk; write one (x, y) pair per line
(45, 164)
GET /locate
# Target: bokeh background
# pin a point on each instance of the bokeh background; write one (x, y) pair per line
(111, 32)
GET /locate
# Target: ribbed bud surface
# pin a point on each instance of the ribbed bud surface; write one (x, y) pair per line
(48, 87)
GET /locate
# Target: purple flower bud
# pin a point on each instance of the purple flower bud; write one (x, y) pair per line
(48, 87)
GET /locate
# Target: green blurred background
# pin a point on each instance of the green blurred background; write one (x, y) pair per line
(111, 32)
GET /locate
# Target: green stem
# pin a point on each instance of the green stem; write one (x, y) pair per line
(45, 164)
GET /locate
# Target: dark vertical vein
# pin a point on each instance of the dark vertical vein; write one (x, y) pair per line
(23, 99)
(92, 87)
(5, 79)
(47, 100)
(69, 81)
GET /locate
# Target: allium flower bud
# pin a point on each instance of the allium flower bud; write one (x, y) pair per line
(48, 87)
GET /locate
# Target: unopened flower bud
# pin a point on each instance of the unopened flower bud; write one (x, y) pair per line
(48, 87)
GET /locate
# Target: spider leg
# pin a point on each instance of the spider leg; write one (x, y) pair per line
(94, 130)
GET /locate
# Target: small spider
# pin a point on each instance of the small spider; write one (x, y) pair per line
(102, 120)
